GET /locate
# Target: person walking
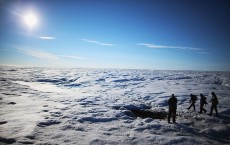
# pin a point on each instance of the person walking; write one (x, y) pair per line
(214, 104)
(193, 99)
(172, 103)
(202, 103)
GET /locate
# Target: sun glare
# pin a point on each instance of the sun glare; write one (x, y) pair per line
(30, 19)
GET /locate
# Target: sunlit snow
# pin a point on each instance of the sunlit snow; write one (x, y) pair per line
(93, 106)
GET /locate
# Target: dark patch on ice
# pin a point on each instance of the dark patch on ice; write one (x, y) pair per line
(137, 79)
(129, 107)
(163, 103)
(30, 137)
(80, 129)
(79, 100)
(26, 142)
(10, 94)
(48, 81)
(102, 142)
(112, 129)
(73, 85)
(68, 127)
(146, 97)
(48, 123)
(56, 114)
(96, 119)
(97, 142)
(121, 80)
(52, 80)
(100, 80)
(12, 70)
(126, 80)
(142, 111)
(12, 103)
(7, 140)
(45, 110)
(129, 113)
(149, 114)
(47, 117)
(121, 86)
(3, 122)
(135, 107)
(2, 79)
(180, 78)
(217, 82)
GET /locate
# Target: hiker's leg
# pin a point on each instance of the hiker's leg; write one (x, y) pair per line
(204, 110)
(201, 108)
(194, 106)
(216, 110)
(211, 110)
(169, 115)
(189, 106)
(174, 116)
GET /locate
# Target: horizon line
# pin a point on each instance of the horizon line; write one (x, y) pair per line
(60, 67)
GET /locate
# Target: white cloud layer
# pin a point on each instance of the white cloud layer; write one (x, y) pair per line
(47, 38)
(97, 42)
(164, 46)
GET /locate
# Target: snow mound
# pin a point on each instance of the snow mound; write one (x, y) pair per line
(48, 123)
(222, 131)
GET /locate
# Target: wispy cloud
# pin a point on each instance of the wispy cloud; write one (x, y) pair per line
(71, 56)
(165, 46)
(45, 55)
(47, 38)
(97, 42)
(37, 53)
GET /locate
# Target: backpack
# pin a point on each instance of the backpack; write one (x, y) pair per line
(216, 101)
(194, 97)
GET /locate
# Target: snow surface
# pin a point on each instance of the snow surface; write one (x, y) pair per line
(93, 106)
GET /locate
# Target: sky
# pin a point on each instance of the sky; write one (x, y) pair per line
(126, 34)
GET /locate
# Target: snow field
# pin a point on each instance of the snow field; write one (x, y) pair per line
(93, 106)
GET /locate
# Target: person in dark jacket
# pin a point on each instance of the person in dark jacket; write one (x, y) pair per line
(172, 103)
(202, 103)
(214, 101)
(193, 99)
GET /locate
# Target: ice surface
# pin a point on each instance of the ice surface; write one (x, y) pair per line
(95, 106)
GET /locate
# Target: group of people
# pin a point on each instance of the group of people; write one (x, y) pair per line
(172, 103)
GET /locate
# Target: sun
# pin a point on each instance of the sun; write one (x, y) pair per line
(30, 19)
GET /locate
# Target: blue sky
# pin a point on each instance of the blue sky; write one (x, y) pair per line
(128, 34)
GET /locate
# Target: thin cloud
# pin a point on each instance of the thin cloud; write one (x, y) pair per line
(97, 42)
(37, 53)
(71, 56)
(45, 55)
(172, 47)
(47, 38)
